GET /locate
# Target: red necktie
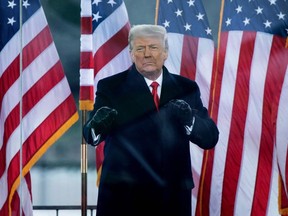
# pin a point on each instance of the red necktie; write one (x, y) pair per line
(154, 86)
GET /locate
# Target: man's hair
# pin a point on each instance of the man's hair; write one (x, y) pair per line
(148, 30)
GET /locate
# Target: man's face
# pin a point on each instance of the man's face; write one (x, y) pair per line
(149, 56)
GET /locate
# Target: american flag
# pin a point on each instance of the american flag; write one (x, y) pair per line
(104, 45)
(191, 53)
(104, 49)
(250, 105)
(36, 104)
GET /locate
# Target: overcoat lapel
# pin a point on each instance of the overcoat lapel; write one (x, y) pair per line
(170, 88)
(141, 97)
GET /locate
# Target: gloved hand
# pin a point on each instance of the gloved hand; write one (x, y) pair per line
(181, 110)
(103, 119)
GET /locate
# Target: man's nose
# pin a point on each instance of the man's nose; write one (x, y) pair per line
(147, 51)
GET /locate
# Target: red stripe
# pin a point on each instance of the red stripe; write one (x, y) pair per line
(9, 76)
(217, 75)
(30, 52)
(86, 93)
(10, 124)
(207, 167)
(35, 47)
(236, 135)
(189, 56)
(86, 60)
(274, 78)
(111, 48)
(16, 199)
(99, 155)
(47, 128)
(39, 136)
(42, 87)
(284, 198)
(86, 25)
(30, 99)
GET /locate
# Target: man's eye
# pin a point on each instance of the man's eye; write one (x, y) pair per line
(153, 47)
(140, 49)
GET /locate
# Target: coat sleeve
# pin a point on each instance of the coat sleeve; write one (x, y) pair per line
(100, 101)
(205, 133)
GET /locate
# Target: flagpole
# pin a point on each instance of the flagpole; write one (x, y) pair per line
(156, 12)
(84, 167)
(20, 107)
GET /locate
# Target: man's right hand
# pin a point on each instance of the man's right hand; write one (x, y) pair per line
(103, 119)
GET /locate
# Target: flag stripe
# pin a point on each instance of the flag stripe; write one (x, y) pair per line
(189, 54)
(174, 58)
(235, 144)
(86, 25)
(30, 52)
(86, 92)
(104, 54)
(223, 122)
(30, 29)
(275, 75)
(49, 57)
(49, 79)
(86, 62)
(36, 46)
(205, 61)
(282, 145)
(252, 129)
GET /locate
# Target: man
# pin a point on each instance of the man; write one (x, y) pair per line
(147, 168)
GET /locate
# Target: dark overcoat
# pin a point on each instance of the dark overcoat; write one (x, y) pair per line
(147, 167)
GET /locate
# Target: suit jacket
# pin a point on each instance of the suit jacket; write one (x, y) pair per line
(146, 147)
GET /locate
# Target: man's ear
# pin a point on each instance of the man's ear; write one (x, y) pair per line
(165, 54)
(132, 56)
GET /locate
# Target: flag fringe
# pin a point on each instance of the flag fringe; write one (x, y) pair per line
(86, 105)
(282, 211)
(98, 176)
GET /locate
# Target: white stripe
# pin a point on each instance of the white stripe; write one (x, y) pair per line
(30, 76)
(86, 8)
(86, 77)
(109, 27)
(224, 119)
(282, 132)
(196, 154)
(86, 43)
(272, 208)
(123, 62)
(27, 201)
(46, 105)
(204, 64)
(173, 62)
(203, 78)
(31, 28)
(30, 122)
(253, 126)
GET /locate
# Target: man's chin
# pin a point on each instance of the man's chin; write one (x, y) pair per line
(149, 68)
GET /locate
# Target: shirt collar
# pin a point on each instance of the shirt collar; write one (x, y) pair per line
(158, 80)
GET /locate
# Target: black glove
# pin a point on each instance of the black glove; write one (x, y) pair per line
(103, 119)
(181, 111)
